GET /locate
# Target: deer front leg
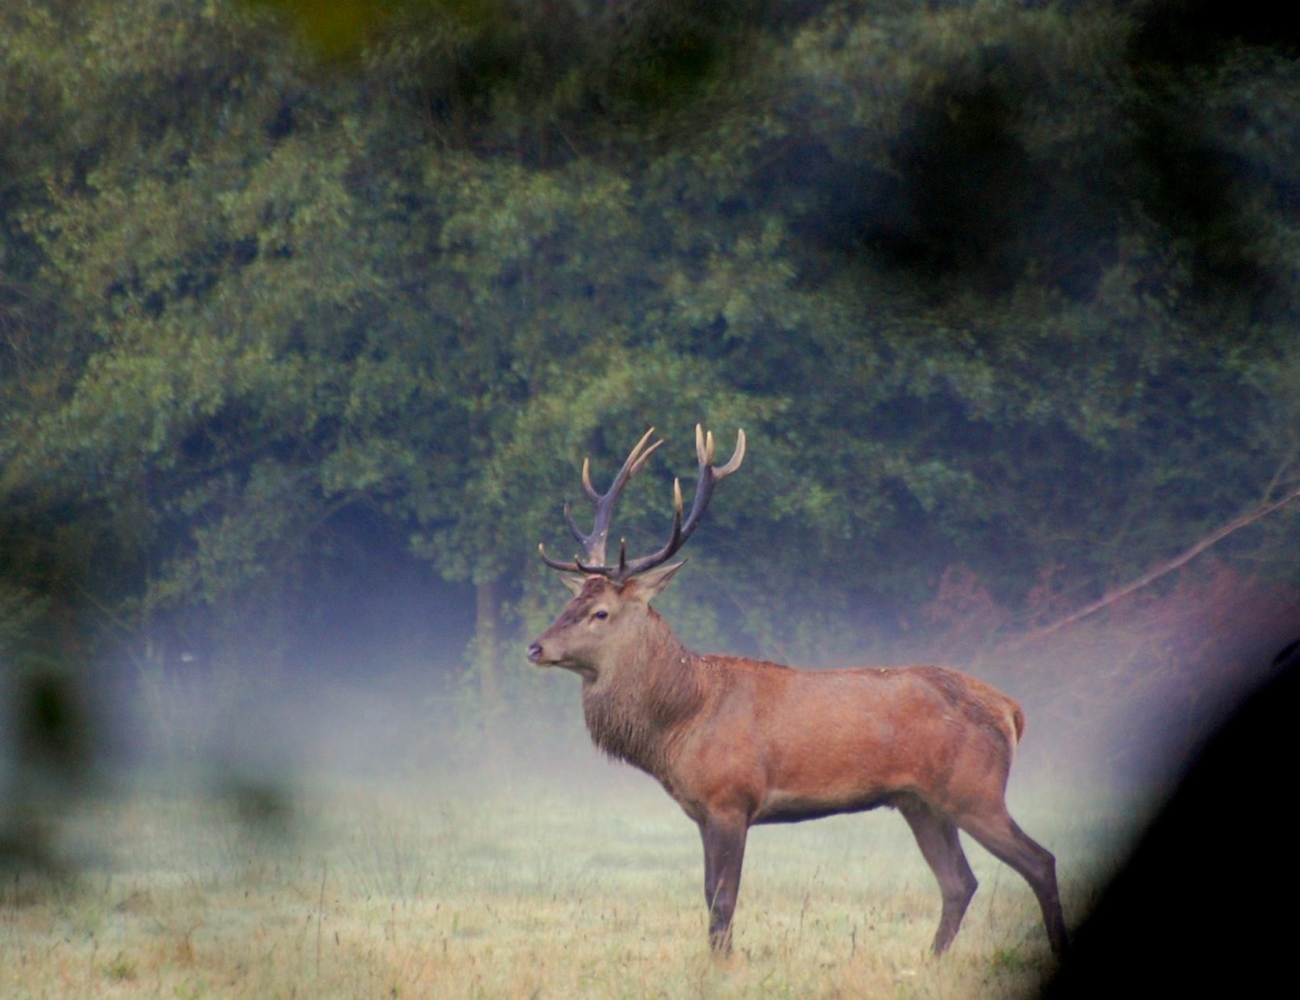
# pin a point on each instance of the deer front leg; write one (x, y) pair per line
(724, 853)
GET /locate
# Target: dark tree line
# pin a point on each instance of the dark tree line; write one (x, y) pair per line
(287, 298)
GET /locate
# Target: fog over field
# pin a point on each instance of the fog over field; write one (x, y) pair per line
(312, 317)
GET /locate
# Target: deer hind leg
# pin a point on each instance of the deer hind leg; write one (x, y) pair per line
(998, 832)
(724, 855)
(937, 838)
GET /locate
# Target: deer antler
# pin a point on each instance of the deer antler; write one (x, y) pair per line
(594, 542)
(709, 477)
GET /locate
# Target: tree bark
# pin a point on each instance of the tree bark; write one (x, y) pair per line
(486, 664)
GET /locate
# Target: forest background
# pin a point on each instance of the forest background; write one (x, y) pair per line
(309, 314)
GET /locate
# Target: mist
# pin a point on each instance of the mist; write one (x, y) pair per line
(309, 319)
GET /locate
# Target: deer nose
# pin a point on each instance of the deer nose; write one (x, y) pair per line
(535, 652)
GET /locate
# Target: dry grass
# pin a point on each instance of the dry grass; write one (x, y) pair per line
(397, 893)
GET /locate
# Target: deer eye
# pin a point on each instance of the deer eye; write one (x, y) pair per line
(601, 614)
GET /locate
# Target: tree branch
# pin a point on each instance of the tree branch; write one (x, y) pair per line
(1257, 512)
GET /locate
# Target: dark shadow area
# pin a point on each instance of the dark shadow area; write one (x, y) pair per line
(48, 752)
(967, 205)
(1184, 33)
(563, 73)
(967, 184)
(1196, 190)
(971, 203)
(1192, 910)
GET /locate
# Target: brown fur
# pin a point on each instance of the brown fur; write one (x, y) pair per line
(738, 742)
(653, 694)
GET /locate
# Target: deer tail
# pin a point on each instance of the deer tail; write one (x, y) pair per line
(1018, 720)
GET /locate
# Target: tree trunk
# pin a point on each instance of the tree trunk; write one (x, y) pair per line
(486, 664)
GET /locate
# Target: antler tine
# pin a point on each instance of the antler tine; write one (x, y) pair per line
(675, 540)
(593, 542)
(634, 462)
(613, 573)
(683, 527)
(573, 528)
(737, 457)
(625, 473)
(709, 478)
(573, 567)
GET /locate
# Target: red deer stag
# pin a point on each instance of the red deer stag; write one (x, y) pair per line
(737, 742)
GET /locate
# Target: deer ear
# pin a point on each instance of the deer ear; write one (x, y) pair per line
(651, 583)
(574, 583)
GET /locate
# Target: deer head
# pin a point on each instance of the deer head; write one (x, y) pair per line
(611, 604)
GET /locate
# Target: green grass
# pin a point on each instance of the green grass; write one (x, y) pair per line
(594, 892)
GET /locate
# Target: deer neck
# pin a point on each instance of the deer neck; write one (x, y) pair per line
(645, 693)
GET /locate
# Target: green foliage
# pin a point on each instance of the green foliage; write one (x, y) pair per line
(912, 250)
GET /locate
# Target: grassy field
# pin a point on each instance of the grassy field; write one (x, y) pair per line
(401, 892)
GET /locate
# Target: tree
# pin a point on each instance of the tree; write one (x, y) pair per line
(916, 253)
